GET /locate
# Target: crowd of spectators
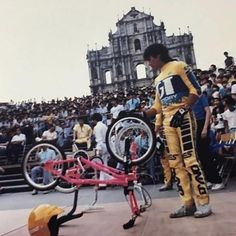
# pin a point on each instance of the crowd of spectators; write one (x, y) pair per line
(61, 115)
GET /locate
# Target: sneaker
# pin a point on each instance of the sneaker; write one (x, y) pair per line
(203, 211)
(165, 187)
(216, 187)
(34, 192)
(209, 185)
(183, 211)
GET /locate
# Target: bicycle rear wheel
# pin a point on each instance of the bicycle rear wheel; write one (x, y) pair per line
(122, 139)
(34, 172)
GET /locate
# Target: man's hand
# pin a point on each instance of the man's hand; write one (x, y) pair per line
(159, 130)
(204, 133)
(177, 119)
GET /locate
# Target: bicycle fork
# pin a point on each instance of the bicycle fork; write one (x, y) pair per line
(129, 192)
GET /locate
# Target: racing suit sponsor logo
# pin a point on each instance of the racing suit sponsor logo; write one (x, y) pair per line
(187, 154)
(171, 90)
(180, 188)
(199, 178)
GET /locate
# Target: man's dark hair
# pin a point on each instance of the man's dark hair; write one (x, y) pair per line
(226, 53)
(157, 49)
(214, 66)
(97, 117)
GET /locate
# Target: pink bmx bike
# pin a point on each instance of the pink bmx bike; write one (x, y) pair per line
(78, 169)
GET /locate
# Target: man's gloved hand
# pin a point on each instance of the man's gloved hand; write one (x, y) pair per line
(160, 146)
(177, 119)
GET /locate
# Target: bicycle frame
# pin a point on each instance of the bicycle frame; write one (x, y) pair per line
(74, 176)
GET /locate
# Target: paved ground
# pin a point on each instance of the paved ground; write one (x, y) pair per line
(15, 208)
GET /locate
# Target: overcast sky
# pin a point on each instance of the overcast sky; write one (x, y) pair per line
(43, 43)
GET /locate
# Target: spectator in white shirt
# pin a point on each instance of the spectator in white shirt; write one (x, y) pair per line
(16, 146)
(116, 109)
(99, 132)
(50, 134)
(229, 115)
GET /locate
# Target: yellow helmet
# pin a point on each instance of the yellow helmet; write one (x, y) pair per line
(42, 220)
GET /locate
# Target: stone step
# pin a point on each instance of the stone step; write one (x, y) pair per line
(16, 188)
(10, 176)
(13, 182)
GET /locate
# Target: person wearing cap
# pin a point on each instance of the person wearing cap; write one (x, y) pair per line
(176, 91)
(217, 120)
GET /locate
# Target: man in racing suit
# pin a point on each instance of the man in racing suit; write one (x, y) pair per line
(176, 90)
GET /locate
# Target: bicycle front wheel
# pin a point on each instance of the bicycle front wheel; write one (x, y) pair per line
(34, 172)
(124, 136)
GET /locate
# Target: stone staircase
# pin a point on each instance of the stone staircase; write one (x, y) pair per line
(12, 180)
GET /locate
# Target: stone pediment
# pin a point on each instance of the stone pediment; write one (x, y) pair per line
(132, 15)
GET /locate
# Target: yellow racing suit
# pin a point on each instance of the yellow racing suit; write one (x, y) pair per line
(173, 86)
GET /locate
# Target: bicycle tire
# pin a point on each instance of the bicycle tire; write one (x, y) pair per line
(29, 163)
(130, 124)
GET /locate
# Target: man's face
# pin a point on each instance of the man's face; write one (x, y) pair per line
(218, 80)
(81, 122)
(18, 131)
(113, 103)
(216, 101)
(52, 129)
(94, 122)
(155, 63)
(212, 68)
